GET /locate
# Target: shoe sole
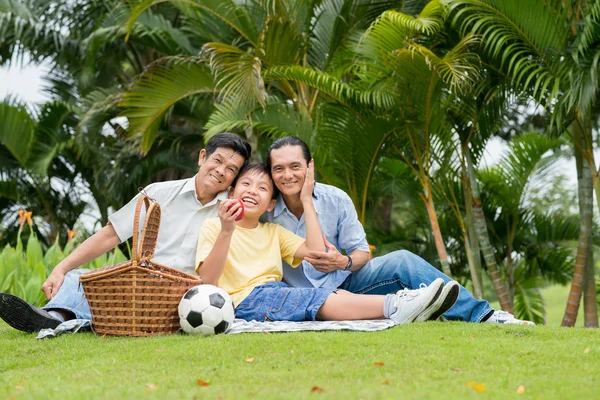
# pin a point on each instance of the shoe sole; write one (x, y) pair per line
(430, 303)
(445, 302)
(21, 316)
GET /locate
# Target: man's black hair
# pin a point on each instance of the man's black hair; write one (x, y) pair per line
(229, 141)
(289, 141)
(259, 168)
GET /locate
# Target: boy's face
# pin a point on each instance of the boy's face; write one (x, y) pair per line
(255, 189)
(218, 170)
(288, 168)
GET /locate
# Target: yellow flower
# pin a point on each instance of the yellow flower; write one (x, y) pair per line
(28, 218)
(22, 217)
(71, 234)
(372, 248)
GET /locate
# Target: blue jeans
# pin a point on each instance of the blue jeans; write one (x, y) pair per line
(404, 270)
(70, 296)
(277, 301)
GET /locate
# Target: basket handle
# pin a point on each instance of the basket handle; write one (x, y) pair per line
(136, 223)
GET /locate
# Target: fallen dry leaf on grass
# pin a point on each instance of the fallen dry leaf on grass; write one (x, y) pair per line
(152, 386)
(442, 338)
(202, 383)
(587, 350)
(19, 387)
(249, 360)
(479, 387)
(386, 382)
(473, 336)
(23, 380)
(456, 369)
(521, 389)
(317, 389)
(379, 363)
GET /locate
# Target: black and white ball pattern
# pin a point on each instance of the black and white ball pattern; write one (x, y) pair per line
(206, 310)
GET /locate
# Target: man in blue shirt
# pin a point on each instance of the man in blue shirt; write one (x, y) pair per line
(355, 272)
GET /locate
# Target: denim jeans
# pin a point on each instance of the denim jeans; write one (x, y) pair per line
(404, 270)
(277, 301)
(70, 296)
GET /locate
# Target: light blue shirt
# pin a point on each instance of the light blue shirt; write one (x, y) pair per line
(340, 225)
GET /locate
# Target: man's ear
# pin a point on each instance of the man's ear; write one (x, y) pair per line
(201, 157)
(271, 205)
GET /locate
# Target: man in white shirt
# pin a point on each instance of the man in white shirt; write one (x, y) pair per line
(185, 205)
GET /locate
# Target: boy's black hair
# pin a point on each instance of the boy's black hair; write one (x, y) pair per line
(230, 141)
(259, 168)
(289, 141)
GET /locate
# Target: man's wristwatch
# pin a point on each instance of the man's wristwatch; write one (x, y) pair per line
(349, 265)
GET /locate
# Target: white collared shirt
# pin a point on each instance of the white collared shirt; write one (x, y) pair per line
(181, 219)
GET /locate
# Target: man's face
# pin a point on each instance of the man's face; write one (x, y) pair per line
(255, 189)
(218, 170)
(288, 168)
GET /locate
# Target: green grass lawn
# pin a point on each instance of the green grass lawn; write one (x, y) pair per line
(427, 360)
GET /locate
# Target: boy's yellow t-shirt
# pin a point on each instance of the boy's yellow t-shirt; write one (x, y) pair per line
(254, 256)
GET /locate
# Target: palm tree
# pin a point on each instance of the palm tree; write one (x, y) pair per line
(547, 49)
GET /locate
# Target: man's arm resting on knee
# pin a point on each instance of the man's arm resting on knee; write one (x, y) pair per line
(99, 243)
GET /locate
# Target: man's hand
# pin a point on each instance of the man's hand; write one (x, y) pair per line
(309, 183)
(229, 210)
(327, 262)
(53, 283)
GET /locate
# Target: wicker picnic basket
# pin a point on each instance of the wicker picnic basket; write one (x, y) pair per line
(137, 297)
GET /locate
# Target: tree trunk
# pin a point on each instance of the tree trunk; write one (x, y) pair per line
(590, 304)
(584, 188)
(437, 235)
(474, 276)
(471, 243)
(484, 241)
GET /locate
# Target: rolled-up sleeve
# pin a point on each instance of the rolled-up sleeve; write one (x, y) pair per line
(122, 220)
(351, 234)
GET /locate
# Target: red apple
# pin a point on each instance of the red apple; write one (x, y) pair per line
(242, 206)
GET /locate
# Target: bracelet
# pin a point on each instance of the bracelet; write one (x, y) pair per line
(349, 265)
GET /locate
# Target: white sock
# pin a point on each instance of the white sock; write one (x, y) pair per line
(57, 315)
(388, 305)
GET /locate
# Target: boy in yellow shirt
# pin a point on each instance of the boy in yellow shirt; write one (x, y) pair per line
(245, 258)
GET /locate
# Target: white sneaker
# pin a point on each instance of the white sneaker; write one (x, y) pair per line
(410, 303)
(443, 303)
(503, 317)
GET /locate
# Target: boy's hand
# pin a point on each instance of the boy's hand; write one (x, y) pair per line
(229, 210)
(309, 183)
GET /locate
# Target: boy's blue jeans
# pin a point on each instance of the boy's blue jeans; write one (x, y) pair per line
(70, 296)
(402, 269)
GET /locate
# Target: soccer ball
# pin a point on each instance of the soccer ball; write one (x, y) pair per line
(205, 310)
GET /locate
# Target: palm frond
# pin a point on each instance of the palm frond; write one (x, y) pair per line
(17, 130)
(51, 137)
(236, 16)
(281, 42)
(237, 73)
(276, 119)
(527, 39)
(528, 300)
(158, 89)
(361, 138)
(331, 86)
(429, 22)
(458, 68)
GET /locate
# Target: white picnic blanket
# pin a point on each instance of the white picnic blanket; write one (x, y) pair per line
(242, 326)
